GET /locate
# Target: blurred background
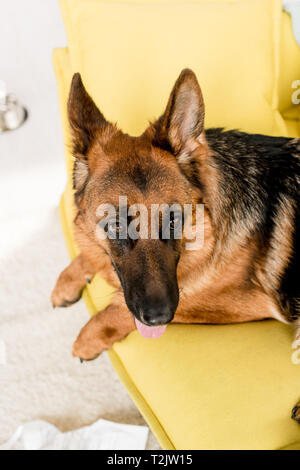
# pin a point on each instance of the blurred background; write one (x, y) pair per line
(29, 31)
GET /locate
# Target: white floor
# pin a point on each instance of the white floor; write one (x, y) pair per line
(40, 379)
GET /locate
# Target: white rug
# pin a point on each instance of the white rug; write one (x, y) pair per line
(41, 380)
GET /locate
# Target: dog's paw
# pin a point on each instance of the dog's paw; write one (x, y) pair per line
(66, 292)
(296, 413)
(87, 349)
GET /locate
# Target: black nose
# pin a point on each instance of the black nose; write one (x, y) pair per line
(158, 314)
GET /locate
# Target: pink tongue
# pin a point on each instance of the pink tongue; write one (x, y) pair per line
(150, 331)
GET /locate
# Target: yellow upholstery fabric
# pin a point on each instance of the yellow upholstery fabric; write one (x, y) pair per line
(293, 127)
(293, 112)
(289, 63)
(292, 120)
(199, 387)
(218, 387)
(151, 42)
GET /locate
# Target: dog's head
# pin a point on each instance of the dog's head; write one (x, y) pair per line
(159, 167)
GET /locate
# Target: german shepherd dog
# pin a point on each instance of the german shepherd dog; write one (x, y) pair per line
(249, 265)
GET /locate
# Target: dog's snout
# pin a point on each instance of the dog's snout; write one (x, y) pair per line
(150, 285)
(157, 313)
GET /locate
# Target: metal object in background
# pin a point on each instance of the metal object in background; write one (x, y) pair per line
(12, 113)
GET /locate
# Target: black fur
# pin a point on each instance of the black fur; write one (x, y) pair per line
(258, 174)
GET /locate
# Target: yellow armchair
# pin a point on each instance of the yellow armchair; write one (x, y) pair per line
(201, 386)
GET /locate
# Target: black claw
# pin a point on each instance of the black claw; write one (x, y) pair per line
(294, 412)
(81, 360)
(88, 281)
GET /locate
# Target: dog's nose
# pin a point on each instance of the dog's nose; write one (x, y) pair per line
(156, 315)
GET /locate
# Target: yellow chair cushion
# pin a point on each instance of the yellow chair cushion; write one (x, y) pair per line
(199, 387)
(292, 113)
(292, 119)
(130, 53)
(289, 63)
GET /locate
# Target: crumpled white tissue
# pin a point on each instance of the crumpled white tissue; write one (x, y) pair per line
(102, 435)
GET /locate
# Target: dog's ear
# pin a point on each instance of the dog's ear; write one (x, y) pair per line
(85, 118)
(86, 121)
(180, 128)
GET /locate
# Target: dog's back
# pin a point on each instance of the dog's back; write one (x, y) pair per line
(259, 191)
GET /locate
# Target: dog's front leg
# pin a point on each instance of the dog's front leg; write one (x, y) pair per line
(71, 282)
(111, 324)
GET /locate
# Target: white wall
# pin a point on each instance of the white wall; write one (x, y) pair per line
(31, 158)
